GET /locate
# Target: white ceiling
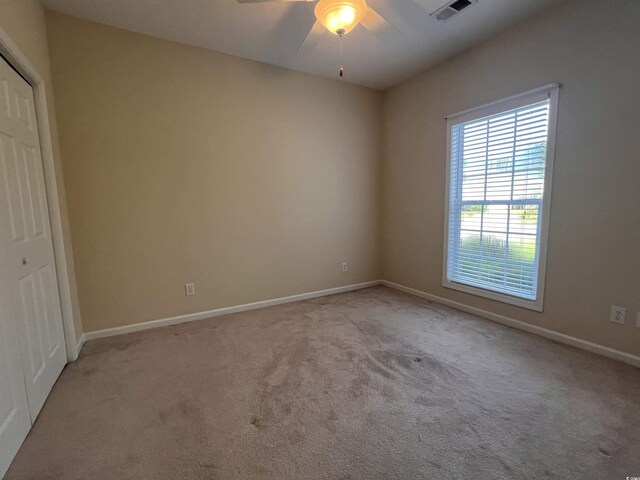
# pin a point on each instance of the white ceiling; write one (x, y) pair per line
(272, 32)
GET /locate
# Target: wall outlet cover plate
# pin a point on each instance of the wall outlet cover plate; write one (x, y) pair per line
(617, 314)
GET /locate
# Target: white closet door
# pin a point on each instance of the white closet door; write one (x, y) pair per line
(15, 420)
(26, 246)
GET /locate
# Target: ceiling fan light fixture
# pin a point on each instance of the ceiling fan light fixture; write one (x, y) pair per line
(340, 16)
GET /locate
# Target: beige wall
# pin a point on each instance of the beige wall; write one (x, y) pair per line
(594, 239)
(24, 22)
(186, 165)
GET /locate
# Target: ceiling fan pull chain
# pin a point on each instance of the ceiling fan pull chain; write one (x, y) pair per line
(341, 34)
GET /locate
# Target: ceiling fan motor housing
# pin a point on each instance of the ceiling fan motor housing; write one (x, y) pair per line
(340, 16)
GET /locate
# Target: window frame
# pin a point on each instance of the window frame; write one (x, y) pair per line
(551, 92)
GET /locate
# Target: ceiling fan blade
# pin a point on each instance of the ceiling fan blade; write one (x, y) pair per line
(376, 24)
(311, 40)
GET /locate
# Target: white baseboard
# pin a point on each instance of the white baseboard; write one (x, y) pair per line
(79, 347)
(504, 320)
(163, 322)
(527, 327)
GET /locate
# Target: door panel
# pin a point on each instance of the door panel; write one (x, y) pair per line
(27, 314)
(31, 308)
(53, 324)
(30, 184)
(8, 158)
(15, 420)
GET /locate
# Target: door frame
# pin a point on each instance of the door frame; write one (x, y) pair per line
(21, 64)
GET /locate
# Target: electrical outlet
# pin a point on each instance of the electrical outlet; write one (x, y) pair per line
(617, 314)
(345, 267)
(189, 289)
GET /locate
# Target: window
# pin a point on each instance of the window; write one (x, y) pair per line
(499, 169)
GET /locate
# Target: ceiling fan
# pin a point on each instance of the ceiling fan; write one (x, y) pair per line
(340, 17)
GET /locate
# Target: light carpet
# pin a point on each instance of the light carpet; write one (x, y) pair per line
(373, 384)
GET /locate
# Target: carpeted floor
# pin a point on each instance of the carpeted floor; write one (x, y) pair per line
(374, 384)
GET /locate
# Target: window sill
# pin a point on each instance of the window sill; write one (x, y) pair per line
(498, 297)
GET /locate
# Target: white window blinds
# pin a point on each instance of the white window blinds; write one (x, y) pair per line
(496, 192)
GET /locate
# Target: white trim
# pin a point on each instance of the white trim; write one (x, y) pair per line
(500, 104)
(527, 327)
(504, 320)
(20, 62)
(80, 345)
(191, 317)
(548, 91)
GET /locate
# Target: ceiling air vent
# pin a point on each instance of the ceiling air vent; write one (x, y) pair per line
(447, 11)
